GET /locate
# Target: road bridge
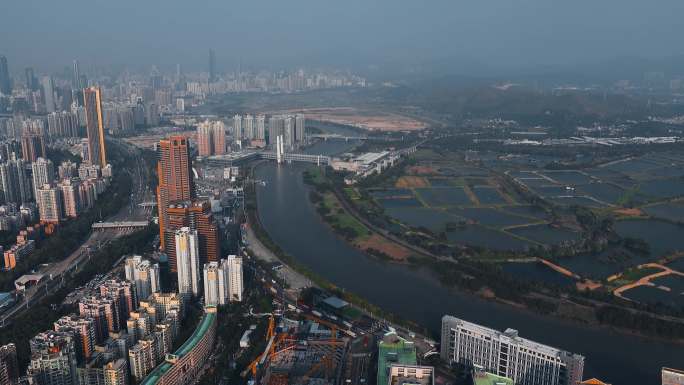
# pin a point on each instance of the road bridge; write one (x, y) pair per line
(320, 160)
(119, 225)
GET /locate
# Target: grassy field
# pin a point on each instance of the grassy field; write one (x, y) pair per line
(337, 216)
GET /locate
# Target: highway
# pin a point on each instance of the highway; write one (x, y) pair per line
(54, 274)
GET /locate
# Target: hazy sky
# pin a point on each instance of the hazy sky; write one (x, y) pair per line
(49, 34)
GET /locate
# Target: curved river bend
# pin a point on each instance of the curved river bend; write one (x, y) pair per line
(292, 222)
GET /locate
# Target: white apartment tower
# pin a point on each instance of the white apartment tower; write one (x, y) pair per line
(235, 284)
(144, 274)
(216, 283)
(187, 262)
(237, 128)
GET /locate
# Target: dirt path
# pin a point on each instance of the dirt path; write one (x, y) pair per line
(646, 281)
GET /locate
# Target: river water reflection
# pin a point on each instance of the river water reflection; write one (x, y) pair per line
(292, 222)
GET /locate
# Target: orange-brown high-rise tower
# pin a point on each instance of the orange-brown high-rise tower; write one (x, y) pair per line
(175, 180)
(97, 154)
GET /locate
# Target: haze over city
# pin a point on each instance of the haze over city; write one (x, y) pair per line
(480, 37)
(342, 193)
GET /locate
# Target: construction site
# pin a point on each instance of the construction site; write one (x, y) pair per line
(310, 351)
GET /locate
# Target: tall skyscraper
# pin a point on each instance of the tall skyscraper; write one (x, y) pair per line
(43, 173)
(216, 282)
(187, 262)
(300, 128)
(76, 77)
(97, 154)
(53, 360)
(175, 180)
(49, 200)
(276, 126)
(248, 127)
(212, 66)
(49, 94)
(235, 283)
(5, 81)
(196, 215)
(31, 81)
(144, 274)
(260, 131)
(9, 367)
(238, 134)
(508, 355)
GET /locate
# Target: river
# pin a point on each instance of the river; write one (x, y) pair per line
(291, 220)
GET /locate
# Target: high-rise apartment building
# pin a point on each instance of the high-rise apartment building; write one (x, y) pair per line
(15, 183)
(63, 124)
(166, 303)
(53, 360)
(43, 173)
(31, 81)
(5, 81)
(238, 134)
(144, 274)
(49, 94)
(71, 196)
(32, 146)
(211, 138)
(248, 126)
(49, 200)
(142, 358)
(123, 295)
(216, 282)
(116, 372)
(292, 128)
(175, 182)
(76, 77)
(260, 130)
(196, 215)
(235, 283)
(508, 355)
(187, 262)
(82, 330)
(300, 128)
(97, 154)
(103, 313)
(67, 169)
(9, 367)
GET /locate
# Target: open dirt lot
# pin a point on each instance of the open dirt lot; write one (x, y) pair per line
(366, 119)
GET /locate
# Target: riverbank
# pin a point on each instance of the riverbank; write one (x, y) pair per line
(270, 252)
(450, 271)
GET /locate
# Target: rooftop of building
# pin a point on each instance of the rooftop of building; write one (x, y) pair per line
(677, 371)
(593, 381)
(208, 319)
(394, 350)
(336, 302)
(512, 335)
(412, 375)
(484, 378)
